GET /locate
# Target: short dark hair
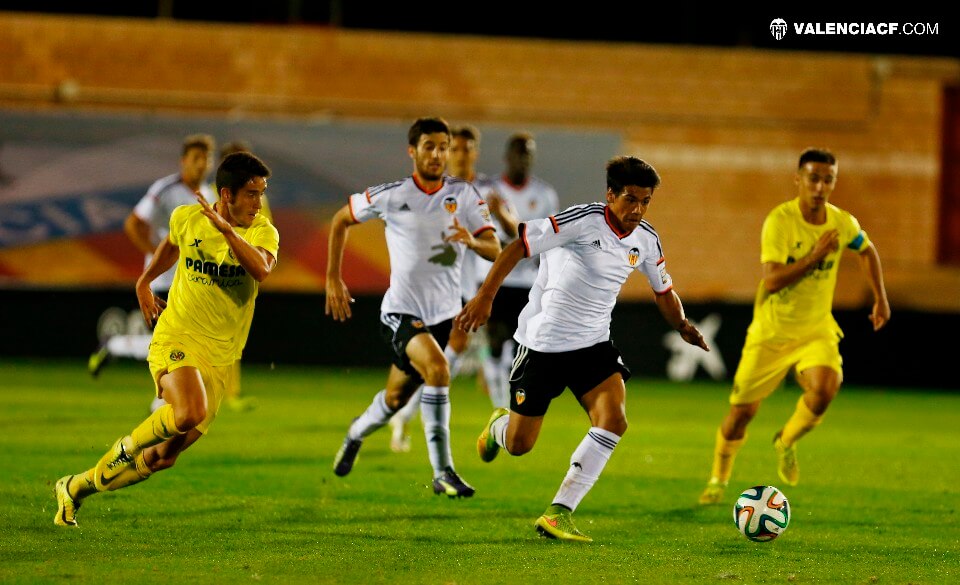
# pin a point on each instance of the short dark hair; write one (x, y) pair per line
(630, 170)
(519, 139)
(238, 168)
(820, 155)
(426, 126)
(204, 142)
(467, 132)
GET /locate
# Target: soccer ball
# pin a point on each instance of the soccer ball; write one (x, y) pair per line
(762, 513)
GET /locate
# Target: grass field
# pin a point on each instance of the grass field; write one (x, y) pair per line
(256, 500)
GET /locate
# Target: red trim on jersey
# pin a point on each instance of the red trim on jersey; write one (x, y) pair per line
(350, 207)
(420, 186)
(367, 193)
(556, 228)
(483, 229)
(660, 261)
(660, 293)
(522, 228)
(606, 217)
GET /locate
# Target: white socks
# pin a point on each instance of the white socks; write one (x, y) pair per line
(586, 463)
(435, 412)
(375, 416)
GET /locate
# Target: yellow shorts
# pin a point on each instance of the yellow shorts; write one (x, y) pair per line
(167, 356)
(765, 364)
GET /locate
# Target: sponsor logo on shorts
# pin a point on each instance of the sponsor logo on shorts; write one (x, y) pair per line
(176, 355)
(450, 204)
(520, 396)
(417, 324)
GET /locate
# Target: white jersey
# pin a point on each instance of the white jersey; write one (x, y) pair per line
(583, 263)
(534, 199)
(424, 270)
(155, 209)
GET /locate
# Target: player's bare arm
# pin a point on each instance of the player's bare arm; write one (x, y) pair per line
(477, 311)
(258, 262)
(672, 310)
(138, 232)
(164, 257)
(485, 244)
(338, 298)
(777, 275)
(504, 213)
(870, 265)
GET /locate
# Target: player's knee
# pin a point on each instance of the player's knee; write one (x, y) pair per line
(614, 424)
(819, 401)
(517, 445)
(188, 418)
(437, 373)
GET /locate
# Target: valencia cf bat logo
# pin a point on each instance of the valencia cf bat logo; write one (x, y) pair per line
(633, 256)
(450, 204)
(520, 396)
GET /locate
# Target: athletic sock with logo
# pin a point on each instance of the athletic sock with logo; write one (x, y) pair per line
(435, 413)
(586, 464)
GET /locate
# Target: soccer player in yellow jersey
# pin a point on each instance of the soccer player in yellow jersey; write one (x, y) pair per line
(223, 253)
(793, 328)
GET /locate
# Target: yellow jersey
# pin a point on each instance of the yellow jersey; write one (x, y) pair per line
(804, 308)
(210, 305)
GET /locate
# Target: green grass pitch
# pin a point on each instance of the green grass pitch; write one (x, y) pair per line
(257, 501)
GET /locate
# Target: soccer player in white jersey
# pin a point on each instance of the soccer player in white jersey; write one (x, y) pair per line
(524, 197)
(586, 254)
(149, 224)
(461, 162)
(431, 222)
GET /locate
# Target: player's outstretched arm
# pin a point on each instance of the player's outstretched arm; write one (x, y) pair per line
(138, 232)
(870, 266)
(672, 310)
(163, 259)
(338, 299)
(477, 311)
(505, 214)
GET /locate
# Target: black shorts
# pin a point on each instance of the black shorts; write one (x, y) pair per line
(398, 329)
(506, 308)
(537, 378)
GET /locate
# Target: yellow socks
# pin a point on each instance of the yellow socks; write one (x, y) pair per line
(724, 454)
(82, 485)
(801, 423)
(131, 474)
(157, 428)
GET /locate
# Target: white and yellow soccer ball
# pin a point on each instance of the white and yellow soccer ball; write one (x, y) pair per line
(762, 513)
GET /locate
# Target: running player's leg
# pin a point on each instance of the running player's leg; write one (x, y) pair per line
(761, 370)
(124, 463)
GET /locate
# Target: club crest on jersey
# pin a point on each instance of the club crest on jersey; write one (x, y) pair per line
(450, 204)
(176, 355)
(520, 396)
(633, 256)
(417, 324)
